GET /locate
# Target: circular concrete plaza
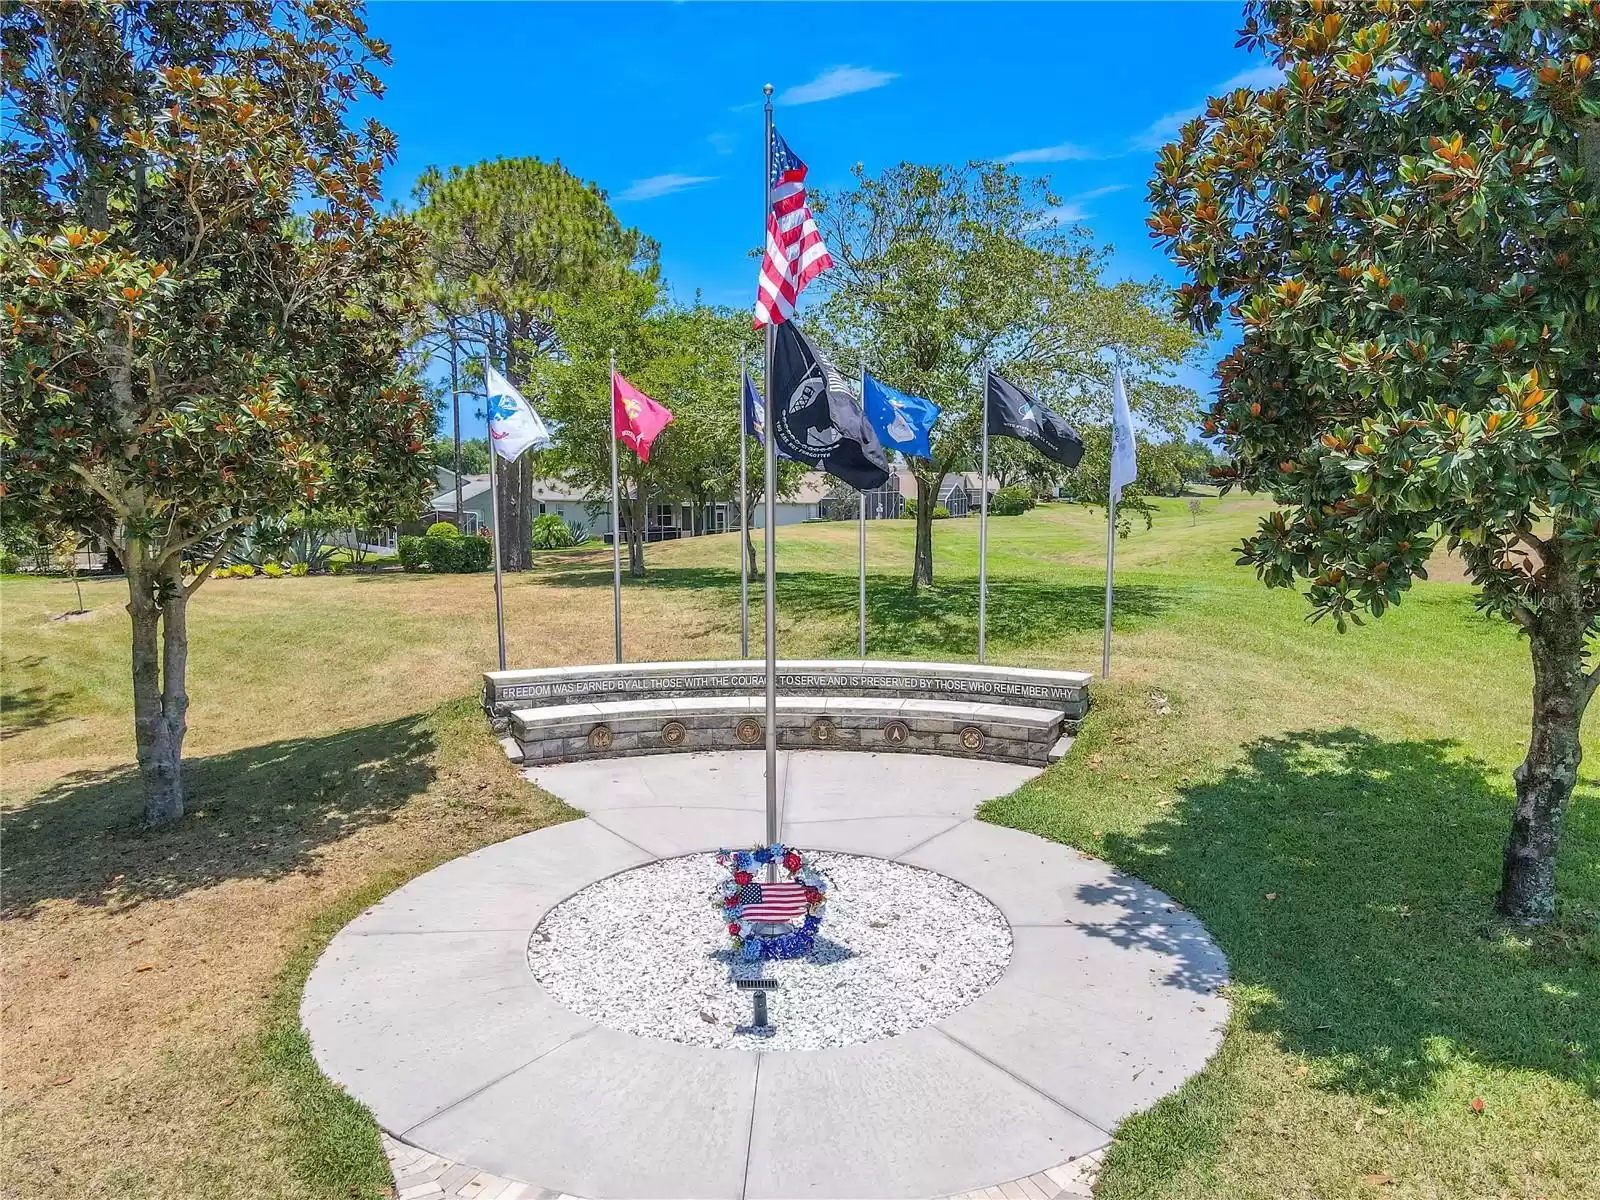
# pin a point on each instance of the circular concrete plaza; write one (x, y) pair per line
(427, 1010)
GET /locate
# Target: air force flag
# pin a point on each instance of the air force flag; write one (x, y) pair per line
(513, 425)
(1014, 413)
(815, 419)
(903, 422)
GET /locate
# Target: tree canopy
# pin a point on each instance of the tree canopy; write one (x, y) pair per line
(688, 358)
(938, 268)
(1407, 234)
(204, 311)
(509, 241)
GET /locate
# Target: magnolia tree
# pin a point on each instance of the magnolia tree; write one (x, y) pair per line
(1407, 232)
(204, 313)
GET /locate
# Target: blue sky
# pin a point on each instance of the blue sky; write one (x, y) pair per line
(660, 104)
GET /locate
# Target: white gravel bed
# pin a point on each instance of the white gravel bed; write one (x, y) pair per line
(646, 953)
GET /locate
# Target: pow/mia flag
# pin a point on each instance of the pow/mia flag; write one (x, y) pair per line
(1014, 413)
(815, 419)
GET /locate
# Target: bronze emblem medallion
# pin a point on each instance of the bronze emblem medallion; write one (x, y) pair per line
(600, 737)
(896, 733)
(672, 733)
(748, 731)
(822, 730)
(972, 739)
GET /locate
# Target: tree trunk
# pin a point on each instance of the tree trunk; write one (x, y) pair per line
(160, 698)
(514, 482)
(922, 561)
(754, 568)
(636, 536)
(1547, 775)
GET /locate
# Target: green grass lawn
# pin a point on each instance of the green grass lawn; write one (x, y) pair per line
(1332, 807)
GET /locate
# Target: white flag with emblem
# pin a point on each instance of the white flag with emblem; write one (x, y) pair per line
(1124, 451)
(513, 425)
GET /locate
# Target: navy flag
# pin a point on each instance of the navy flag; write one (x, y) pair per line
(1014, 413)
(815, 417)
(755, 415)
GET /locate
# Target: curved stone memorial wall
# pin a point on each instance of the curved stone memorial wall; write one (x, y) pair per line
(1012, 714)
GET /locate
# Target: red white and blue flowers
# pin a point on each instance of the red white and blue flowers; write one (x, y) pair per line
(745, 900)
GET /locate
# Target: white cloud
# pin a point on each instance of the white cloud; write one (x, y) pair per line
(1065, 152)
(1075, 208)
(722, 143)
(661, 185)
(1256, 77)
(1165, 129)
(836, 82)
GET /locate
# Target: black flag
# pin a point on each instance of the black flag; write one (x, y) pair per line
(816, 420)
(1014, 413)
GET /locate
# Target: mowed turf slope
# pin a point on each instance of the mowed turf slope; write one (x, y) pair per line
(1331, 806)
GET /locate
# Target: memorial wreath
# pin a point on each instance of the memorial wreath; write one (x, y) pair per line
(745, 901)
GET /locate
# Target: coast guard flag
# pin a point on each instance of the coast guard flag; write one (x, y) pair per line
(636, 420)
(1124, 451)
(795, 251)
(1014, 413)
(513, 425)
(903, 422)
(816, 420)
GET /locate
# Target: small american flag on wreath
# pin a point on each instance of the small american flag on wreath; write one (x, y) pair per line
(744, 901)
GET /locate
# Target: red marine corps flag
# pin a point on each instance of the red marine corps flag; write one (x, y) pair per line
(795, 251)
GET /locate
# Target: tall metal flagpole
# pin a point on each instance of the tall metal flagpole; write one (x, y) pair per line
(494, 518)
(1111, 546)
(861, 502)
(455, 421)
(983, 521)
(616, 520)
(744, 523)
(770, 539)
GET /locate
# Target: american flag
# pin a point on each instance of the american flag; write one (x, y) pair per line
(772, 901)
(795, 252)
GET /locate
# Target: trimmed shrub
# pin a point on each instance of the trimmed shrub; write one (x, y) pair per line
(272, 570)
(1010, 502)
(477, 554)
(300, 569)
(550, 532)
(440, 551)
(8, 563)
(442, 529)
(941, 513)
(456, 554)
(910, 511)
(412, 551)
(338, 567)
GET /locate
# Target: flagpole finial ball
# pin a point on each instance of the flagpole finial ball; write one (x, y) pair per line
(766, 89)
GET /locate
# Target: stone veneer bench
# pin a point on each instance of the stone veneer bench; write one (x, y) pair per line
(1007, 733)
(1012, 714)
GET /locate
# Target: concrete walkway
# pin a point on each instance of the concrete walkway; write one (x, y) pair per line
(424, 1008)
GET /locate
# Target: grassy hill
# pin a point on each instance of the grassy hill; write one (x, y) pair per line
(1331, 806)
